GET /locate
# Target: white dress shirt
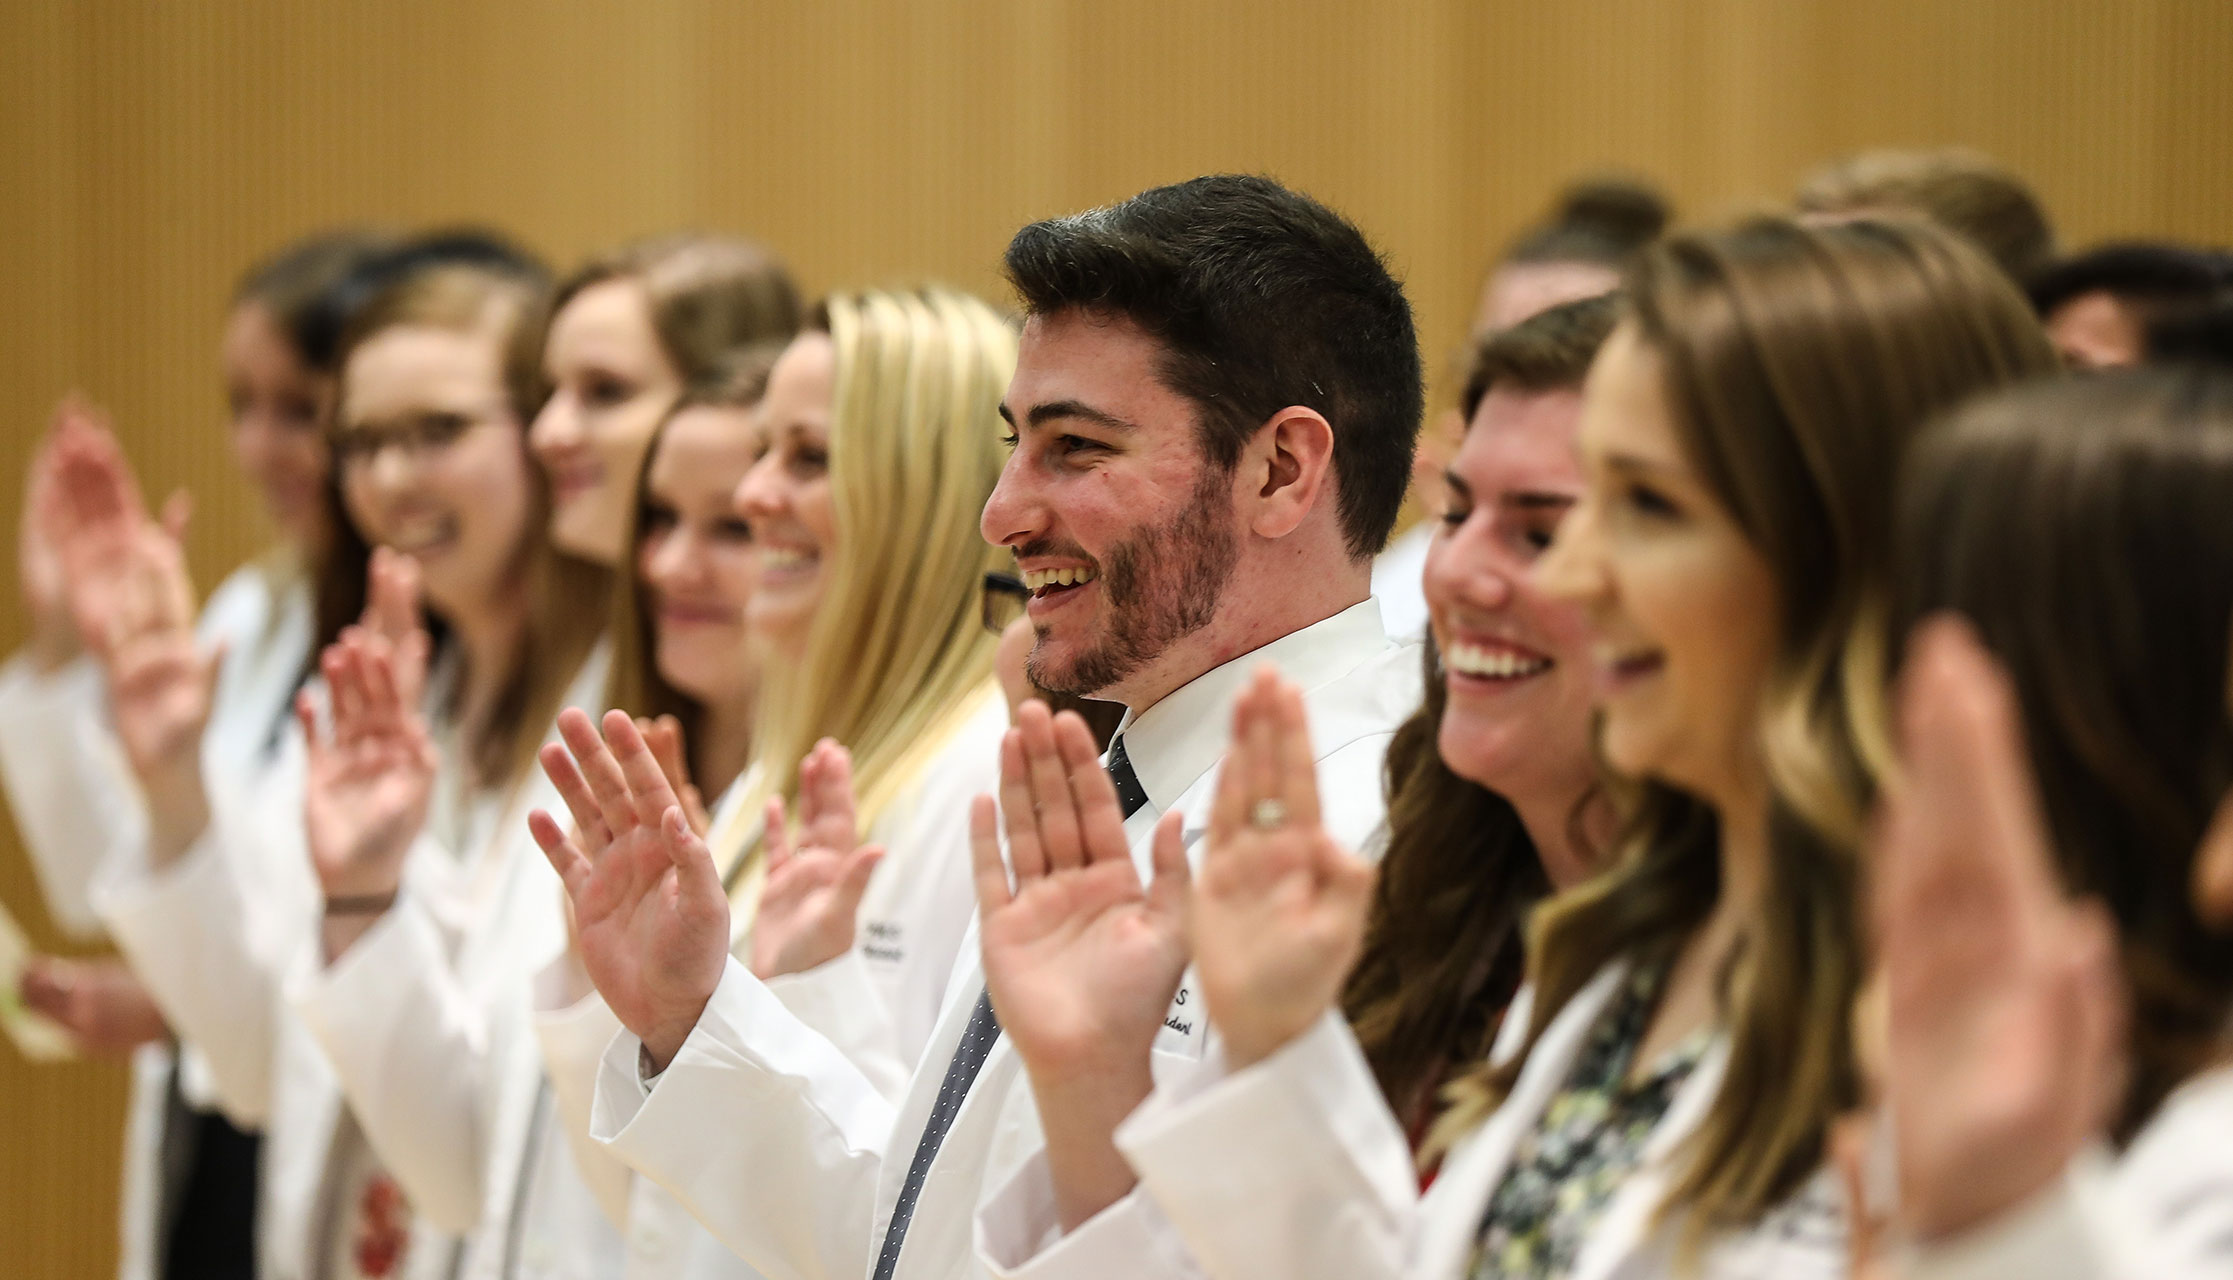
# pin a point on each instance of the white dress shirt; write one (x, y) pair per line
(1399, 580)
(877, 1004)
(75, 799)
(778, 1144)
(1295, 1168)
(2163, 1211)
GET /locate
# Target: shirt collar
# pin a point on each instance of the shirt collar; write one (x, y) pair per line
(1176, 741)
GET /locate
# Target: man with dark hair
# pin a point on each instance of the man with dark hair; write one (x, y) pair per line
(2102, 308)
(1214, 406)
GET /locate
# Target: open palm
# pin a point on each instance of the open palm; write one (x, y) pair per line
(811, 901)
(1081, 959)
(366, 795)
(1278, 915)
(2004, 1050)
(651, 919)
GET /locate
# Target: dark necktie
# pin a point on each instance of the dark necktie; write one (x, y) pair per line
(969, 1057)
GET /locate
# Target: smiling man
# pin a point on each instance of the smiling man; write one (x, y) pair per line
(1214, 410)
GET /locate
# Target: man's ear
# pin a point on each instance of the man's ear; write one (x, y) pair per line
(1289, 464)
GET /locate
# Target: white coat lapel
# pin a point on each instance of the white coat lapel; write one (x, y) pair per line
(1451, 1220)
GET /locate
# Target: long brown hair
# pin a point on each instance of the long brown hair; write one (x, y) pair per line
(1799, 362)
(1442, 952)
(565, 593)
(2084, 529)
(635, 684)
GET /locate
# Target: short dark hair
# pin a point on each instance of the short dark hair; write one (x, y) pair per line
(1549, 351)
(1966, 192)
(1603, 221)
(2158, 277)
(1261, 298)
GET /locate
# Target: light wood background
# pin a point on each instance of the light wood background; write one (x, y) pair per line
(150, 148)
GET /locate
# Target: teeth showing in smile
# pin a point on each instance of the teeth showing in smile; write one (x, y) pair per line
(785, 557)
(1496, 664)
(416, 536)
(1040, 579)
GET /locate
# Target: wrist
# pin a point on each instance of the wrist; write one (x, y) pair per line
(666, 1040)
(52, 644)
(177, 811)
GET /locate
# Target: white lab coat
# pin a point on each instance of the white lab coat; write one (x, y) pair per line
(74, 799)
(1295, 1168)
(878, 1004)
(791, 1156)
(426, 1023)
(229, 988)
(2162, 1211)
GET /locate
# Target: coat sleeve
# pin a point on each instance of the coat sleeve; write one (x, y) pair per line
(572, 1038)
(1293, 1167)
(414, 1052)
(210, 934)
(765, 1131)
(72, 799)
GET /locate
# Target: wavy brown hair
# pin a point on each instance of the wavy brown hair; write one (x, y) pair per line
(1799, 362)
(2083, 528)
(1442, 952)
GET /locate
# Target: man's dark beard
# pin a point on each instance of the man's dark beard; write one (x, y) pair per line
(1161, 586)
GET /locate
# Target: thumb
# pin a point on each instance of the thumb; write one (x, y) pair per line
(1173, 883)
(177, 510)
(693, 862)
(853, 881)
(775, 837)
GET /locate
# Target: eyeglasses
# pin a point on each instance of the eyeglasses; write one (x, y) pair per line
(1004, 600)
(417, 435)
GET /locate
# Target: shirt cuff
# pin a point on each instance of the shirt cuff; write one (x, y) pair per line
(1019, 1237)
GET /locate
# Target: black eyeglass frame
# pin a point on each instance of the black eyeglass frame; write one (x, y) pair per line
(1000, 588)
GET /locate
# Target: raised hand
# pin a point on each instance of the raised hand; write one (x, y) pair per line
(811, 902)
(365, 799)
(1278, 915)
(651, 919)
(48, 522)
(1081, 959)
(2006, 1008)
(391, 612)
(99, 1002)
(664, 738)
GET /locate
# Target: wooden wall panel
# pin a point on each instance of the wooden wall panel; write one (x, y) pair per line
(149, 149)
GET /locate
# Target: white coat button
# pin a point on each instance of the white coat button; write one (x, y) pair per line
(650, 1240)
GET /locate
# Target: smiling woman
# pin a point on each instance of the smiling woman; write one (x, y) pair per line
(630, 330)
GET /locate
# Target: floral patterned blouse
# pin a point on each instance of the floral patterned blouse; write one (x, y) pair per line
(1588, 1141)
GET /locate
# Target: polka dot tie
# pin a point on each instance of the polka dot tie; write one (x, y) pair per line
(969, 1058)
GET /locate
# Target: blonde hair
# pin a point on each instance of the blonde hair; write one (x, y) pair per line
(1799, 363)
(897, 655)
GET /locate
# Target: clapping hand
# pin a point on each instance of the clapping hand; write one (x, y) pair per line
(1081, 959)
(2006, 1007)
(1279, 912)
(812, 899)
(366, 795)
(650, 916)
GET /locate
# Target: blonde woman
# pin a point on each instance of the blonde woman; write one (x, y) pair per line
(882, 438)
(1661, 1094)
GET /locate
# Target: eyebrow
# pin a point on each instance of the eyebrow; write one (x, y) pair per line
(1525, 499)
(1639, 463)
(1040, 415)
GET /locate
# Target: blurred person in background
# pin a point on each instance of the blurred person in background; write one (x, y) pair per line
(1967, 192)
(189, 1175)
(2054, 880)
(2106, 307)
(1592, 232)
(627, 333)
